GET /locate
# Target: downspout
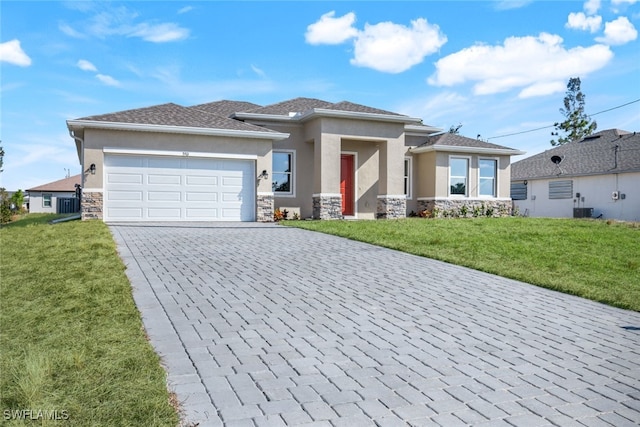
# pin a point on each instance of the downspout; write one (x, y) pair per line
(81, 141)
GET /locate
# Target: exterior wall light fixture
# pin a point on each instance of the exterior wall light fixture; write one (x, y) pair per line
(92, 168)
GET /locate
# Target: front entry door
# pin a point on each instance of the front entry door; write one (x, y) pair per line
(347, 190)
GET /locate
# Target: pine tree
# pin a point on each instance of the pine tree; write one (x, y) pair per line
(577, 123)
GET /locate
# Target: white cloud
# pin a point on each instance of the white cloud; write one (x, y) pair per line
(536, 65)
(160, 33)
(580, 21)
(85, 65)
(120, 21)
(108, 80)
(617, 2)
(185, 10)
(12, 53)
(511, 4)
(258, 71)
(618, 32)
(592, 6)
(330, 30)
(394, 48)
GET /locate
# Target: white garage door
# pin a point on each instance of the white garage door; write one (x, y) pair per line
(158, 188)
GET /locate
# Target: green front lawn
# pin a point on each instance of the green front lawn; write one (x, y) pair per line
(71, 338)
(599, 260)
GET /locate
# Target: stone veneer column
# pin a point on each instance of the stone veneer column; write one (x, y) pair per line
(327, 206)
(264, 207)
(392, 207)
(91, 205)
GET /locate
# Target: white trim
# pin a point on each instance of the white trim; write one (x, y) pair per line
(495, 182)
(293, 166)
(93, 190)
(468, 150)
(468, 183)
(409, 194)
(50, 194)
(355, 182)
(139, 127)
(326, 195)
(323, 112)
(471, 199)
(138, 152)
(420, 130)
(264, 193)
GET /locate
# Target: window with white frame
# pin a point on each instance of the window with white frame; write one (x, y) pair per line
(407, 176)
(488, 176)
(282, 176)
(46, 200)
(458, 176)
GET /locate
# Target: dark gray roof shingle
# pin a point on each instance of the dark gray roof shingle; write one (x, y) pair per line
(175, 115)
(454, 140)
(357, 108)
(296, 105)
(226, 108)
(594, 155)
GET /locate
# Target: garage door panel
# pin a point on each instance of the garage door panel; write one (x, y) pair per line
(124, 213)
(201, 180)
(201, 197)
(124, 195)
(124, 178)
(154, 188)
(164, 196)
(163, 179)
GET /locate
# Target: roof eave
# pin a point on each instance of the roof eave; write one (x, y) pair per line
(470, 150)
(420, 130)
(323, 112)
(139, 127)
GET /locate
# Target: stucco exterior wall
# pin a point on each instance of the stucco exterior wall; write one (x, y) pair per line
(97, 139)
(596, 191)
(36, 201)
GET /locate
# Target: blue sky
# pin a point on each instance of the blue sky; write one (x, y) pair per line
(496, 67)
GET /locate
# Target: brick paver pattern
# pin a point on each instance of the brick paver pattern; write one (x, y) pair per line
(265, 325)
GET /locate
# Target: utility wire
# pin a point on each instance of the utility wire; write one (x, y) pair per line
(550, 126)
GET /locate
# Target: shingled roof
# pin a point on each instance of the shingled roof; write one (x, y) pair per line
(174, 115)
(296, 105)
(450, 140)
(65, 184)
(605, 152)
(226, 108)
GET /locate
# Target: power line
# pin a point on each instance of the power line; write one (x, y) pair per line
(550, 126)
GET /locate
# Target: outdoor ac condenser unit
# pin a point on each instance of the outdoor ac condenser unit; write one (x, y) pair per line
(583, 212)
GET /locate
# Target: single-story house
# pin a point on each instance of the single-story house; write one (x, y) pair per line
(597, 176)
(55, 197)
(238, 161)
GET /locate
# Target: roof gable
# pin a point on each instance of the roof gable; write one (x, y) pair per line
(458, 143)
(65, 184)
(605, 152)
(296, 105)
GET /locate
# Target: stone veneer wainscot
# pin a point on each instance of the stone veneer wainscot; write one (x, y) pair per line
(265, 209)
(391, 207)
(327, 206)
(500, 207)
(92, 205)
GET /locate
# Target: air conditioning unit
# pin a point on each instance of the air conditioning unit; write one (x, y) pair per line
(615, 195)
(583, 212)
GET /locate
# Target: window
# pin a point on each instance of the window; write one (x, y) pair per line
(488, 169)
(407, 177)
(282, 180)
(46, 200)
(519, 191)
(561, 189)
(458, 176)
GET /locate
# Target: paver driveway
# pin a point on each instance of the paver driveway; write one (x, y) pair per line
(259, 324)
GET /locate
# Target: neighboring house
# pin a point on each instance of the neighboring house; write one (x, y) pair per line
(55, 197)
(597, 176)
(237, 161)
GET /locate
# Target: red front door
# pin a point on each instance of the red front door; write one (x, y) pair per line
(346, 184)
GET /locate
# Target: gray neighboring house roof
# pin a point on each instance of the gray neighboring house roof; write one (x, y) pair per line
(61, 185)
(605, 152)
(458, 143)
(226, 108)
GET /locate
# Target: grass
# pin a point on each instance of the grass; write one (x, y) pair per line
(599, 260)
(71, 338)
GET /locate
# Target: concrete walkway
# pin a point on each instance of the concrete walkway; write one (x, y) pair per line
(264, 325)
